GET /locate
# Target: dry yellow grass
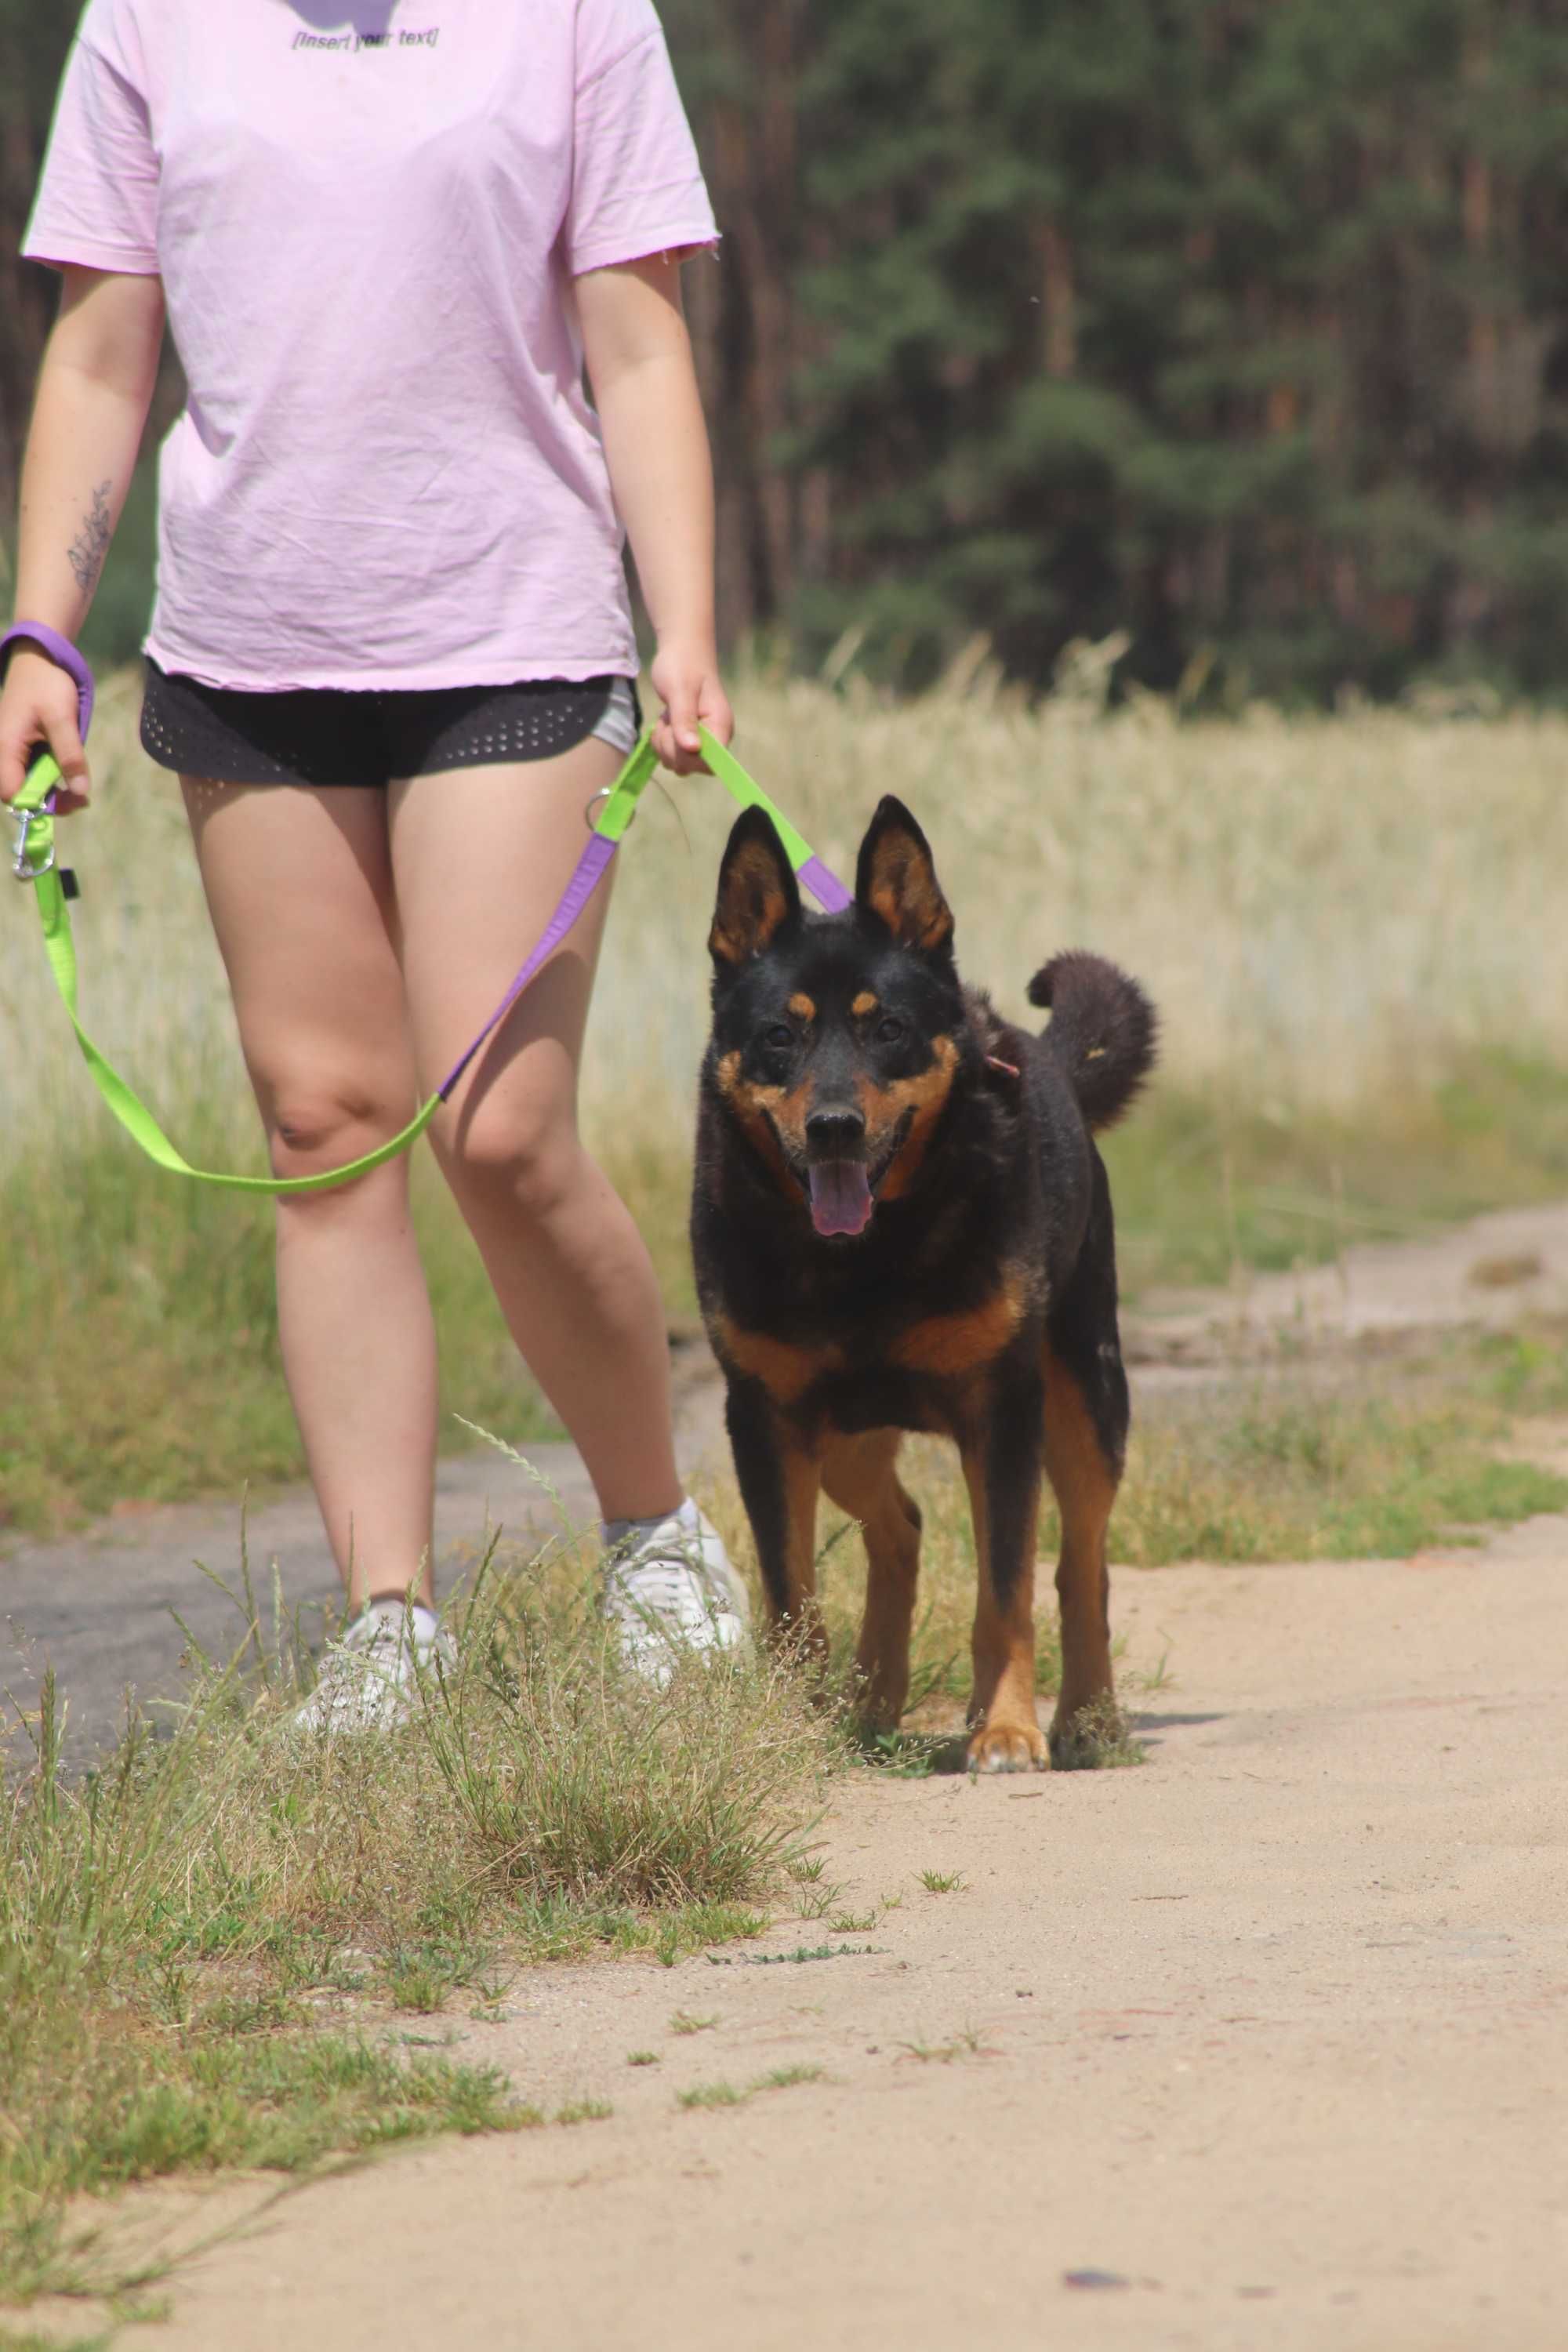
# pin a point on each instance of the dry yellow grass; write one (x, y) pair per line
(1319, 906)
(1316, 904)
(1350, 927)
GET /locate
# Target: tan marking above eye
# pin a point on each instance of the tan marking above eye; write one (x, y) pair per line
(865, 1002)
(802, 1007)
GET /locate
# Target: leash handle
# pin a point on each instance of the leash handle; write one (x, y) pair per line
(61, 652)
(34, 806)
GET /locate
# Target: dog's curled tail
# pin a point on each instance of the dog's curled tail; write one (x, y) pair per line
(1103, 1031)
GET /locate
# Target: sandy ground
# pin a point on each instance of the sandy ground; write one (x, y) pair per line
(1267, 2036)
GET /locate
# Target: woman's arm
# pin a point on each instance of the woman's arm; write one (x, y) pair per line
(645, 388)
(95, 387)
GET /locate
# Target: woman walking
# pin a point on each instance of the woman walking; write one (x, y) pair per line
(390, 659)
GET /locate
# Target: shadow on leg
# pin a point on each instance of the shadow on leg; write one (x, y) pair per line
(860, 1474)
(1083, 1461)
(780, 1476)
(1001, 1470)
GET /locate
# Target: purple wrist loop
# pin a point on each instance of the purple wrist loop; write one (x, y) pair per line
(61, 651)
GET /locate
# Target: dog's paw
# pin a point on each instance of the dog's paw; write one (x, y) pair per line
(1009, 1748)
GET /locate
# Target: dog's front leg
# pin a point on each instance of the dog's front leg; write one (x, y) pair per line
(779, 1468)
(1002, 1468)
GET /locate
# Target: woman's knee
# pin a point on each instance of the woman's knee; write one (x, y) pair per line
(315, 1126)
(527, 1151)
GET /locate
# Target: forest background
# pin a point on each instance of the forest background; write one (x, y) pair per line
(1236, 325)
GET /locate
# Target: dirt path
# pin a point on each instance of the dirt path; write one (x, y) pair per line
(1268, 2033)
(1491, 1272)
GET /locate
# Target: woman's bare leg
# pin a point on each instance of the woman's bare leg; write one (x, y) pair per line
(300, 885)
(480, 856)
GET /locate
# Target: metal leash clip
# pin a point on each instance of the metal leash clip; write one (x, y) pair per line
(22, 869)
(590, 812)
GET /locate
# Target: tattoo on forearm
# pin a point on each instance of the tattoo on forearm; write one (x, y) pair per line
(87, 549)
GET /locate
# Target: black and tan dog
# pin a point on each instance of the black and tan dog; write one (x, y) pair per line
(901, 1222)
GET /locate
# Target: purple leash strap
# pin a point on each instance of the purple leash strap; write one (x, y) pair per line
(591, 870)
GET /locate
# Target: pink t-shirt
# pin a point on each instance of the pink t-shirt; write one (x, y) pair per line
(367, 216)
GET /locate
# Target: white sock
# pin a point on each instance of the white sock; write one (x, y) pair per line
(620, 1531)
(393, 1610)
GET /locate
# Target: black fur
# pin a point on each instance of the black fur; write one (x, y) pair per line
(980, 1299)
(1103, 1032)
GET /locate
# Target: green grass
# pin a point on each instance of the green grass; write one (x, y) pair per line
(965, 2043)
(1524, 1371)
(1205, 1187)
(143, 1311)
(11, 2340)
(1332, 1476)
(204, 1944)
(731, 2094)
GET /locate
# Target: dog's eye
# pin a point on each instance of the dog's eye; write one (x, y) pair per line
(889, 1029)
(779, 1037)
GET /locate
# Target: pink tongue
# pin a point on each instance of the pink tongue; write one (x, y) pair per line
(840, 1196)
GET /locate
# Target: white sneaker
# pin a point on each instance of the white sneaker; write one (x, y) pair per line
(670, 1588)
(366, 1680)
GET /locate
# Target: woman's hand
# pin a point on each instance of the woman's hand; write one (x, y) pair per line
(39, 707)
(685, 679)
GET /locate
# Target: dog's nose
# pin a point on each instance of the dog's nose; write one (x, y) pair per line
(835, 1134)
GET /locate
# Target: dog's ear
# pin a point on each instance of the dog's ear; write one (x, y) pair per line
(758, 894)
(896, 880)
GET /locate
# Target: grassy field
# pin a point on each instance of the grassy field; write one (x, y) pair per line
(1350, 927)
(207, 1946)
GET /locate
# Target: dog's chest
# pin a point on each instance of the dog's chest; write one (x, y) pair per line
(893, 1366)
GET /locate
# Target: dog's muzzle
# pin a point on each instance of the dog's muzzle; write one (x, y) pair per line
(838, 1180)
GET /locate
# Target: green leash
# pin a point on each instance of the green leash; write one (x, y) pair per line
(53, 888)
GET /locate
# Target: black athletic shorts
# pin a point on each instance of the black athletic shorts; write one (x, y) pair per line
(323, 736)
